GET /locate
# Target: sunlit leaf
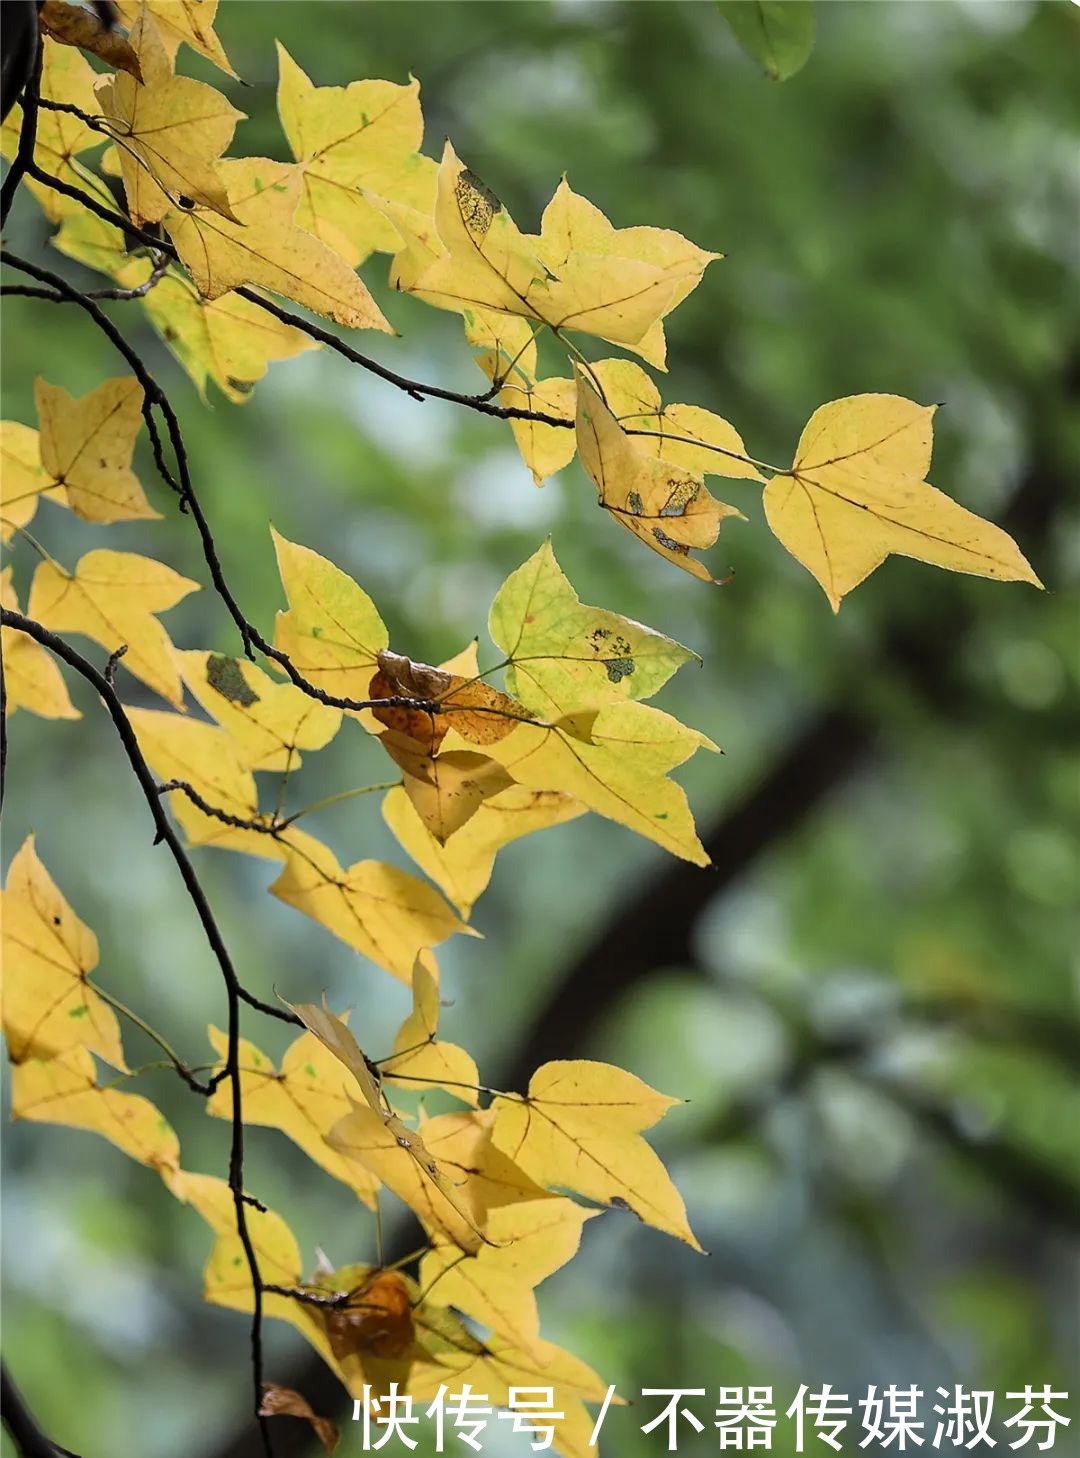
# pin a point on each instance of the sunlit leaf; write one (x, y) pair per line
(64, 1090)
(580, 1126)
(566, 656)
(32, 679)
(259, 243)
(48, 954)
(856, 493)
(420, 1059)
(347, 139)
(172, 131)
(112, 597)
(87, 446)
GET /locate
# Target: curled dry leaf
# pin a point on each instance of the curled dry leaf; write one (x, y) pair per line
(280, 1401)
(79, 25)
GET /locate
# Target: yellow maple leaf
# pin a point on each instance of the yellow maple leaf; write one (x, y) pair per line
(664, 505)
(48, 954)
(112, 597)
(172, 131)
(580, 1126)
(385, 914)
(332, 630)
(259, 243)
(303, 1099)
(496, 1286)
(64, 1090)
(461, 867)
(267, 722)
(365, 135)
(87, 446)
(32, 679)
(227, 1277)
(228, 340)
(475, 256)
(420, 1059)
(566, 656)
(446, 790)
(857, 493)
(573, 227)
(684, 435)
(372, 1132)
(615, 761)
(460, 1180)
(187, 22)
(23, 479)
(508, 354)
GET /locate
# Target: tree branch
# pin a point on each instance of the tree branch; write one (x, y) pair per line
(22, 1425)
(233, 989)
(24, 155)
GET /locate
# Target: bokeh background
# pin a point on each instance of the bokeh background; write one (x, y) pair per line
(870, 1002)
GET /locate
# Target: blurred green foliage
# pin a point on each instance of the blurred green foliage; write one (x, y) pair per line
(900, 216)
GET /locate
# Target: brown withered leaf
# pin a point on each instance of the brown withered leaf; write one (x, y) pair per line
(479, 713)
(280, 1401)
(78, 25)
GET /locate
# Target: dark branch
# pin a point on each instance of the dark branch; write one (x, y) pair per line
(24, 155)
(234, 993)
(22, 1425)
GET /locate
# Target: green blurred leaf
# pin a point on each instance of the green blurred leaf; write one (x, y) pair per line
(778, 33)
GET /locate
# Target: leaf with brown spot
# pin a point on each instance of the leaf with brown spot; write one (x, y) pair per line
(87, 446)
(664, 505)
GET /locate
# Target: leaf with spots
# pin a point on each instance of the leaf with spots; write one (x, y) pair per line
(565, 656)
(579, 1127)
(64, 1090)
(349, 140)
(49, 1005)
(32, 679)
(267, 722)
(857, 493)
(87, 445)
(617, 284)
(258, 242)
(664, 505)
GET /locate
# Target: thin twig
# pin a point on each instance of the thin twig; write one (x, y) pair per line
(234, 994)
